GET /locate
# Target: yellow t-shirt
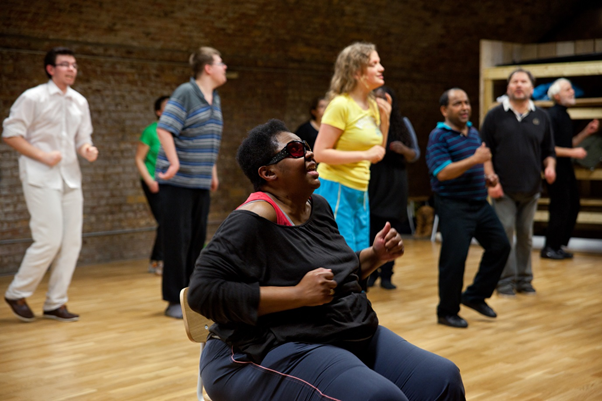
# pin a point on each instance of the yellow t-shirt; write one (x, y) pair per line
(361, 131)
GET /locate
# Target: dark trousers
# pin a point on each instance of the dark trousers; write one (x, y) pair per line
(564, 208)
(389, 369)
(459, 222)
(184, 214)
(154, 201)
(376, 224)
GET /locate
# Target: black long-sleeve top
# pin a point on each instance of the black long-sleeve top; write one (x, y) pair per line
(562, 128)
(249, 251)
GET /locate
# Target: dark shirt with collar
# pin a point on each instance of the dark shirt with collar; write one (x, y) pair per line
(448, 146)
(518, 148)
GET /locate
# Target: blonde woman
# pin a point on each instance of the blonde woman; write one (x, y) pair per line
(353, 134)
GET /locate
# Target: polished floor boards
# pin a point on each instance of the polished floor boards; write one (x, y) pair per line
(543, 347)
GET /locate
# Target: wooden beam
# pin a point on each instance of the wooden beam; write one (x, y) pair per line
(583, 218)
(584, 174)
(585, 113)
(580, 68)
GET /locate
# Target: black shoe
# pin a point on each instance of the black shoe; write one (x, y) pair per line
(481, 307)
(452, 321)
(565, 254)
(549, 253)
(526, 289)
(387, 284)
(371, 280)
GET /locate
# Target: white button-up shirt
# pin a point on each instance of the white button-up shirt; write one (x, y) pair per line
(50, 120)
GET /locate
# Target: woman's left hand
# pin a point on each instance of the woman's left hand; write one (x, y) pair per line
(388, 244)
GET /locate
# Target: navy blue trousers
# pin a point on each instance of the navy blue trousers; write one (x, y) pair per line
(387, 367)
(460, 221)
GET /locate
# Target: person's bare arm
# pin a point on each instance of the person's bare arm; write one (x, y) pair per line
(408, 153)
(141, 152)
(590, 129)
(214, 179)
(324, 151)
(575, 153)
(550, 169)
(169, 147)
(384, 109)
(494, 189)
(21, 145)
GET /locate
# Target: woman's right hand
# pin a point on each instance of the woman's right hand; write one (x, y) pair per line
(317, 287)
(375, 154)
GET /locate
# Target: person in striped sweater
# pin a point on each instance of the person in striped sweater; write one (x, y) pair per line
(455, 157)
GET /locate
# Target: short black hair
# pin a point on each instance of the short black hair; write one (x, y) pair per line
(314, 105)
(531, 77)
(444, 99)
(50, 58)
(159, 102)
(258, 148)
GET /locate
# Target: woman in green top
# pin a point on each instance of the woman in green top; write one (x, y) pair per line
(146, 158)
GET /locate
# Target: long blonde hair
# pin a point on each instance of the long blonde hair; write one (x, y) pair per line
(351, 60)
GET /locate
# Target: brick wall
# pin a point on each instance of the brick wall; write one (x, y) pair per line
(130, 52)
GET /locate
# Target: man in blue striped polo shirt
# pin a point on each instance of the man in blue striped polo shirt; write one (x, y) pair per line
(190, 131)
(455, 157)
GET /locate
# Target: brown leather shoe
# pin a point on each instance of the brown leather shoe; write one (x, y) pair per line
(21, 309)
(61, 314)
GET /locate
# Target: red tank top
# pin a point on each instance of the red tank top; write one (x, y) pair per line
(281, 217)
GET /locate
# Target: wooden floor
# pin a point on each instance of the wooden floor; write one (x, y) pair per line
(544, 347)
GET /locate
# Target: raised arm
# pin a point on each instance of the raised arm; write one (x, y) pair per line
(590, 129)
(387, 246)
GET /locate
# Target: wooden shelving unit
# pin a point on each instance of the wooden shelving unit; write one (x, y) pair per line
(495, 60)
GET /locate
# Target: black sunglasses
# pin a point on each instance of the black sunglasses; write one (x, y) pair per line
(294, 149)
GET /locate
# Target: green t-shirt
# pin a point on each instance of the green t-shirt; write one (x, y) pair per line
(149, 137)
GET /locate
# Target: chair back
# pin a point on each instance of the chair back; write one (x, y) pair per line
(195, 324)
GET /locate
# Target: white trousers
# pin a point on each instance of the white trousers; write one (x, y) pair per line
(56, 228)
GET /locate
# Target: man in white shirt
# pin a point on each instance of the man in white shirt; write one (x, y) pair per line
(49, 125)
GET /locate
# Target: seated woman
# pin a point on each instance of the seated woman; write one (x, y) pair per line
(282, 286)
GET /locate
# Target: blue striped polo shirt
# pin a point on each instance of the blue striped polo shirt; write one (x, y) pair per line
(196, 126)
(447, 146)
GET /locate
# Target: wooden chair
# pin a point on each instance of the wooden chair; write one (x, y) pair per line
(197, 329)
